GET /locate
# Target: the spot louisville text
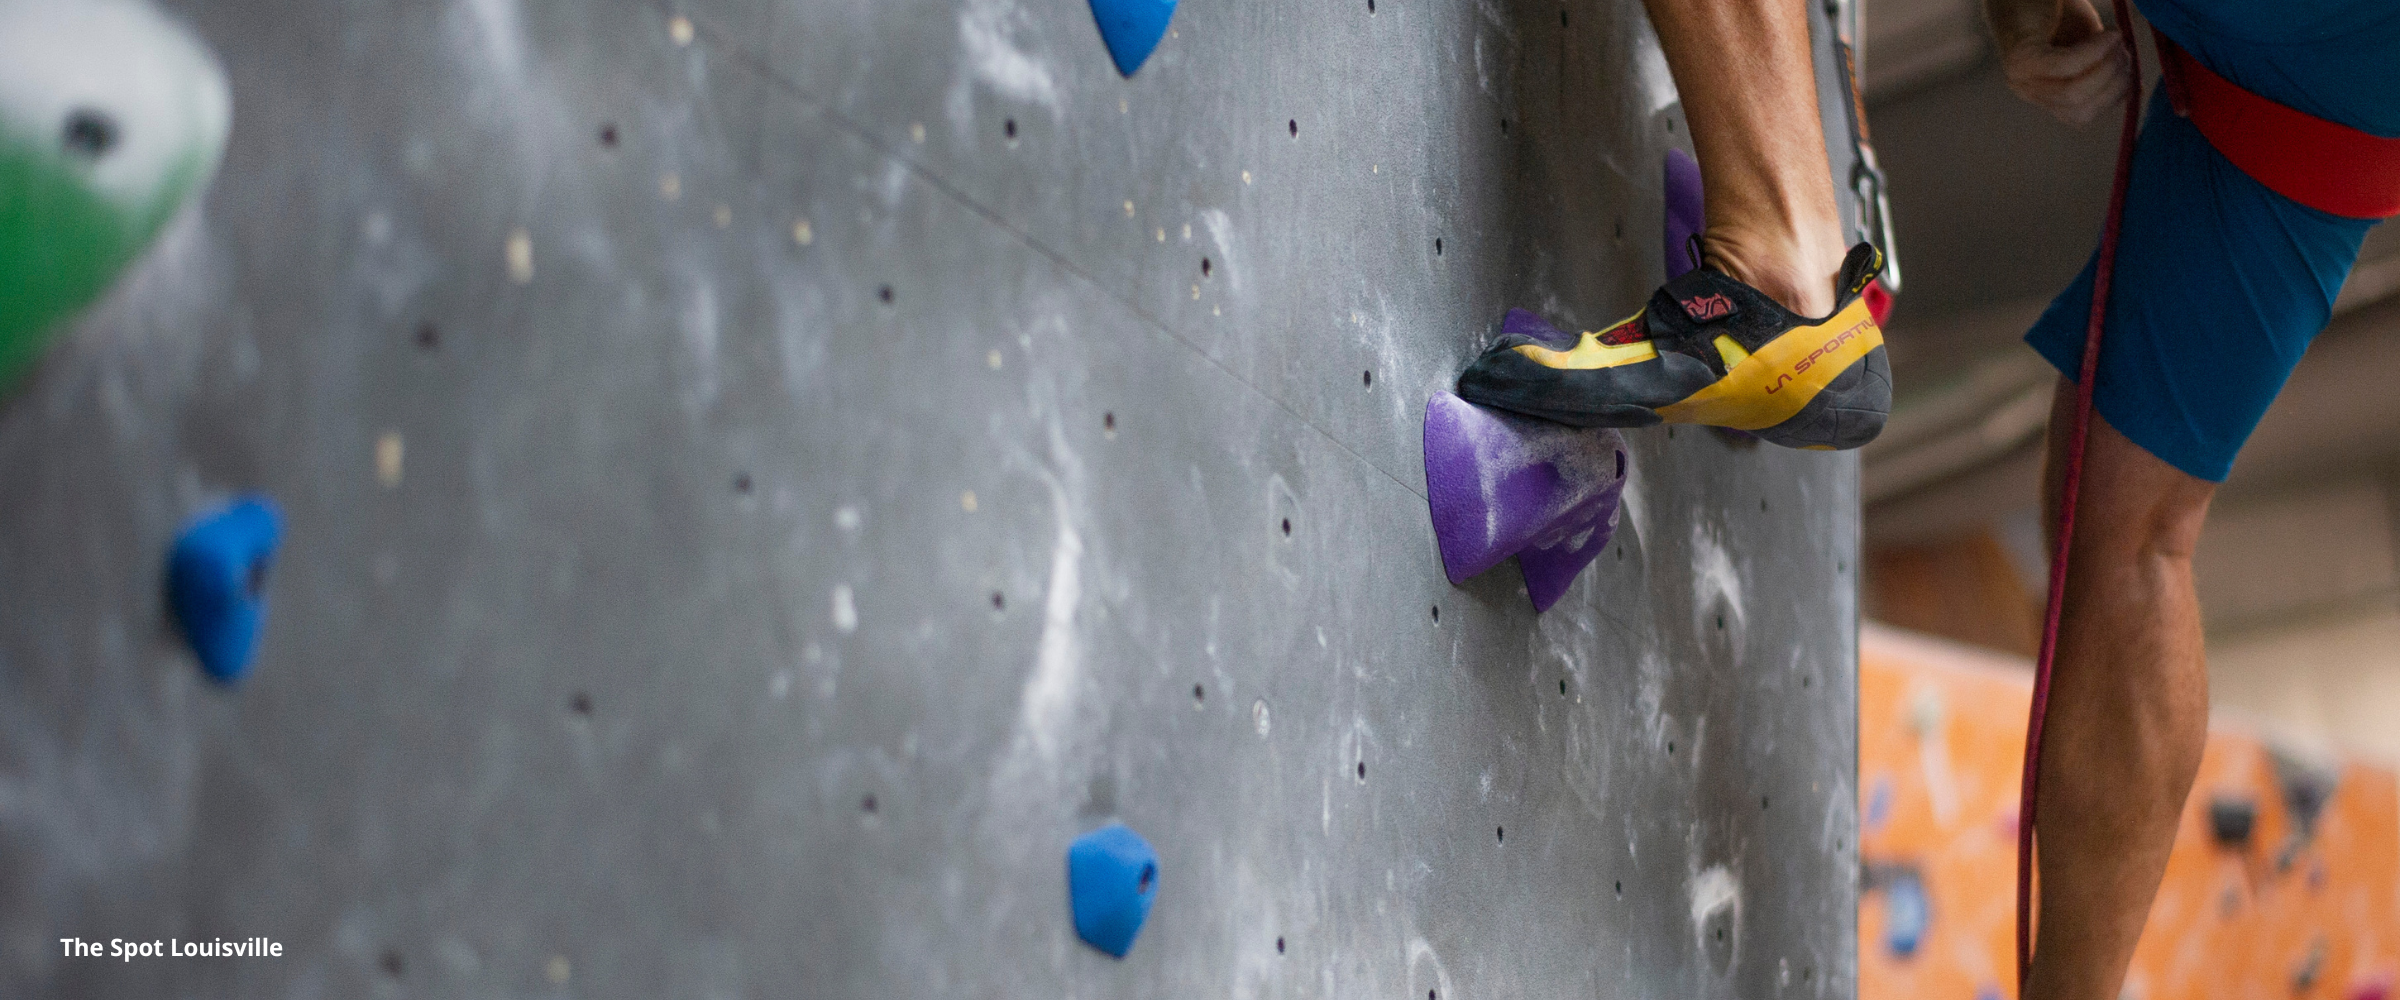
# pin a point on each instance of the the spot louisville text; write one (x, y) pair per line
(119, 948)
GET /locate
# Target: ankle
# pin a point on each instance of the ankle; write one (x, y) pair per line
(1800, 273)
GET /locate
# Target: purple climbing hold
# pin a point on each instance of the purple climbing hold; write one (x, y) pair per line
(1687, 216)
(1503, 485)
(1132, 28)
(216, 577)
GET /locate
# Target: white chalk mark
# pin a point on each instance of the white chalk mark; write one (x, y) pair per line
(390, 450)
(987, 31)
(1714, 891)
(1715, 584)
(845, 609)
(1058, 658)
(520, 256)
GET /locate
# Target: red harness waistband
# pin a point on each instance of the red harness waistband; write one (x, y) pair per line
(2324, 165)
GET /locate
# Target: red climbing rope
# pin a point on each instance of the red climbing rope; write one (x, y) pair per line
(2102, 271)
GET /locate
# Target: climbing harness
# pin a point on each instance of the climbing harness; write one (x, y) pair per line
(2102, 271)
(2324, 165)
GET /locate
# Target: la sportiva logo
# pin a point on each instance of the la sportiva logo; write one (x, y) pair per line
(1703, 308)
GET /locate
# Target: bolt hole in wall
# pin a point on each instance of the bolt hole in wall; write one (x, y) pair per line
(1199, 695)
(1287, 527)
(884, 293)
(608, 135)
(1294, 126)
(1108, 422)
(1500, 834)
(580, 703)
(428, 336)
(1367, 378)
(741, 482)
(1362, 770)
(89, 134)
(999, 603)
(1279, 946)
(1009, 128)
(1437, 246)
(867, 805)
(1205, 267)
(1437, 614)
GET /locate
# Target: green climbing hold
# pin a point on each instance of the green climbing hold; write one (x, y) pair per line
(112, 116)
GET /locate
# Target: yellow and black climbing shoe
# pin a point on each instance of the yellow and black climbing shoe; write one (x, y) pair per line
(1707, 350)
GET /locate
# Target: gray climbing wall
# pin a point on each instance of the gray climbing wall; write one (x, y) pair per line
(760, 484)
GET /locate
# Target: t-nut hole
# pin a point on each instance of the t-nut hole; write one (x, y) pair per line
(89, 133)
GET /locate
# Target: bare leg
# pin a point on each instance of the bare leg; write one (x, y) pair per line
(2128, 708)
(1749, 91)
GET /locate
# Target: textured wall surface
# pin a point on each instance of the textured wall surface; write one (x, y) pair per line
(762, 477)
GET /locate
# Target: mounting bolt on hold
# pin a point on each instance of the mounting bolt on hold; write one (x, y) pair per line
(2231, 819)
(216, 583)
(1112, 877)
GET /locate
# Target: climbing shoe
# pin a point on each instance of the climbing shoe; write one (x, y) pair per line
(1707, 350)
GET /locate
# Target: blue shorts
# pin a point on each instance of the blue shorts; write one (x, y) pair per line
(2220, 283)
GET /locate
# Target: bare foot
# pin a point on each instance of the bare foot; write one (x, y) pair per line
(1801, 274)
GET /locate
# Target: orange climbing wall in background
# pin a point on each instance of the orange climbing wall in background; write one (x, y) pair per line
(2283, 913)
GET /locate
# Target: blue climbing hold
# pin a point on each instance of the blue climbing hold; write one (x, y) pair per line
(1132, 28)
(1906, 912)
(1112, 875)
(215, 582)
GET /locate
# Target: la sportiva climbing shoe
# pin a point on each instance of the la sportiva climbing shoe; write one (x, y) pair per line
(1707, 350)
